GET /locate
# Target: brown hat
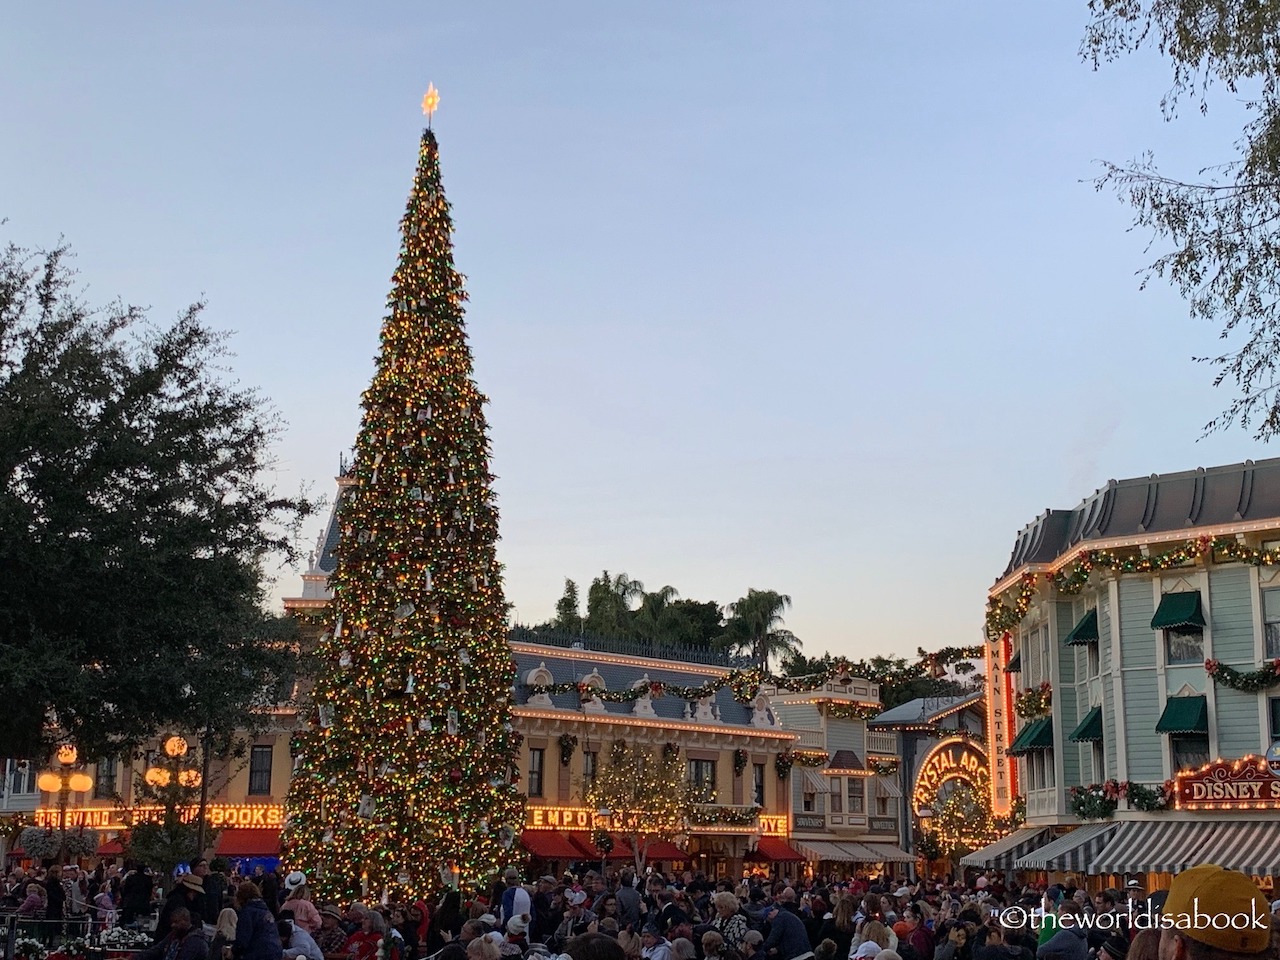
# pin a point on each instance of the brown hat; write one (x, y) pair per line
(1220, 908)
(191, 882)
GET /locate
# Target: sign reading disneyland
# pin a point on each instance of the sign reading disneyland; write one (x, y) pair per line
(1244, 784)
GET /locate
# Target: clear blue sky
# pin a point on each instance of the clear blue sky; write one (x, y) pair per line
(808, 297)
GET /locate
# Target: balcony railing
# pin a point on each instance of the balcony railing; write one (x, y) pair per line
(810, 739)
(880, 742)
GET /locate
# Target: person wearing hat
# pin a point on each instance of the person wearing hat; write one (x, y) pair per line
(516, 901)
(787, 938)
(1214, 914)
(331, 936)
(188, 892)
(298, 906)
(517, 937)
(577, 917)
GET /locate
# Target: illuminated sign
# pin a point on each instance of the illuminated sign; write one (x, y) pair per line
(583, 818)
(954, 759)
(1004, 778)
(220, 815)
(1244, 784)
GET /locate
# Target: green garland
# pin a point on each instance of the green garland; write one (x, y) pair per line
(745, 684)
(1034, 701)
(851, 711)
(568, 743)
(704, 815)
(782, 764)
(1002, 617)
(883, 768)
(1092, 802)
(739, 761)
(1254, 681)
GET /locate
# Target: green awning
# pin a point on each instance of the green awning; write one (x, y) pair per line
(1086, 631)
(1184, 715)
(1090, 728)
(1015, 664)
(1036, 735)
(1178, 610)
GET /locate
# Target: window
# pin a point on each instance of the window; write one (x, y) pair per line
(702, 778)
(21, 776)
(104, 781)
(1184, 646)
(260, 770)
(857, 794)
(836, 787)
(1189, 752)
(1093, 659)
(589, 759)
(757, 783)
(536, 757)
(807, 803)
(882, 806)
(1273, 704)
(1099, 763)
(1271, 622)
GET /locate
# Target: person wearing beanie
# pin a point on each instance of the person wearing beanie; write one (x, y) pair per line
(1198, 901)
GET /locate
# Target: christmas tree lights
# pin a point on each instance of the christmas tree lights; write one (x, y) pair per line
(403, 780)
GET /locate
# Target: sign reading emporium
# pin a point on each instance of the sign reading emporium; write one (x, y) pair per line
(1244, 784)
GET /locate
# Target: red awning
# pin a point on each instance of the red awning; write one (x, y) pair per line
(662, 850)
(112, 848)
(777, 850)
(240, 842)
(621, 849)
(550, 845)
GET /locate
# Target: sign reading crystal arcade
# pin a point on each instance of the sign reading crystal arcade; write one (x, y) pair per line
(952, 759)
(1244, 784)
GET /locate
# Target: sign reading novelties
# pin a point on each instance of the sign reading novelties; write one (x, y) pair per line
(1244, 784)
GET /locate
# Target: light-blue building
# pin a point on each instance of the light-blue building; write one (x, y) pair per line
(1117, 637)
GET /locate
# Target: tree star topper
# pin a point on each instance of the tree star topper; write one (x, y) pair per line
(430, 102)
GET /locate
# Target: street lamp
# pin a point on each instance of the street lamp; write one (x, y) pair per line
(62, 782)
(175, 748)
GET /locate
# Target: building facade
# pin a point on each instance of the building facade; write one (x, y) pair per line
(1131, 651)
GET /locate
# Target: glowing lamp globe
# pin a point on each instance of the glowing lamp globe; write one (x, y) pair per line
(157, 777)
(189, 778)
(175, 747)
(81, 782)
(49, 782)
(67, 754)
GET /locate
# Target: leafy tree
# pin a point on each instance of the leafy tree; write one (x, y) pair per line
(137, 518)
(704, 620)
(646, 792)
(609, 600)
(567, 615)
(755, 627)
(1223, 222)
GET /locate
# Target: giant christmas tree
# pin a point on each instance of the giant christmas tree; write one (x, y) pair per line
(403, 778)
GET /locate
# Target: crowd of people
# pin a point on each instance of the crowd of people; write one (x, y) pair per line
(593, 916)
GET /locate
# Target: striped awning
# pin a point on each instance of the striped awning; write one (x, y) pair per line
(819, 850)
(1250, 846)
(1075, 851)
(815, 782)
(886, 787)
(1006, 850)
(887, 853)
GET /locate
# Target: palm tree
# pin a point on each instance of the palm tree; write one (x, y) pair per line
(755, 627)
(609, 601)
(658, 622)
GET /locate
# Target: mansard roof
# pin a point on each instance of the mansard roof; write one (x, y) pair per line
(1146, 506)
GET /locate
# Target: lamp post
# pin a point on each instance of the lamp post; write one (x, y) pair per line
(926, 817)
(602, 820)
(62, 781)
(173, 774)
